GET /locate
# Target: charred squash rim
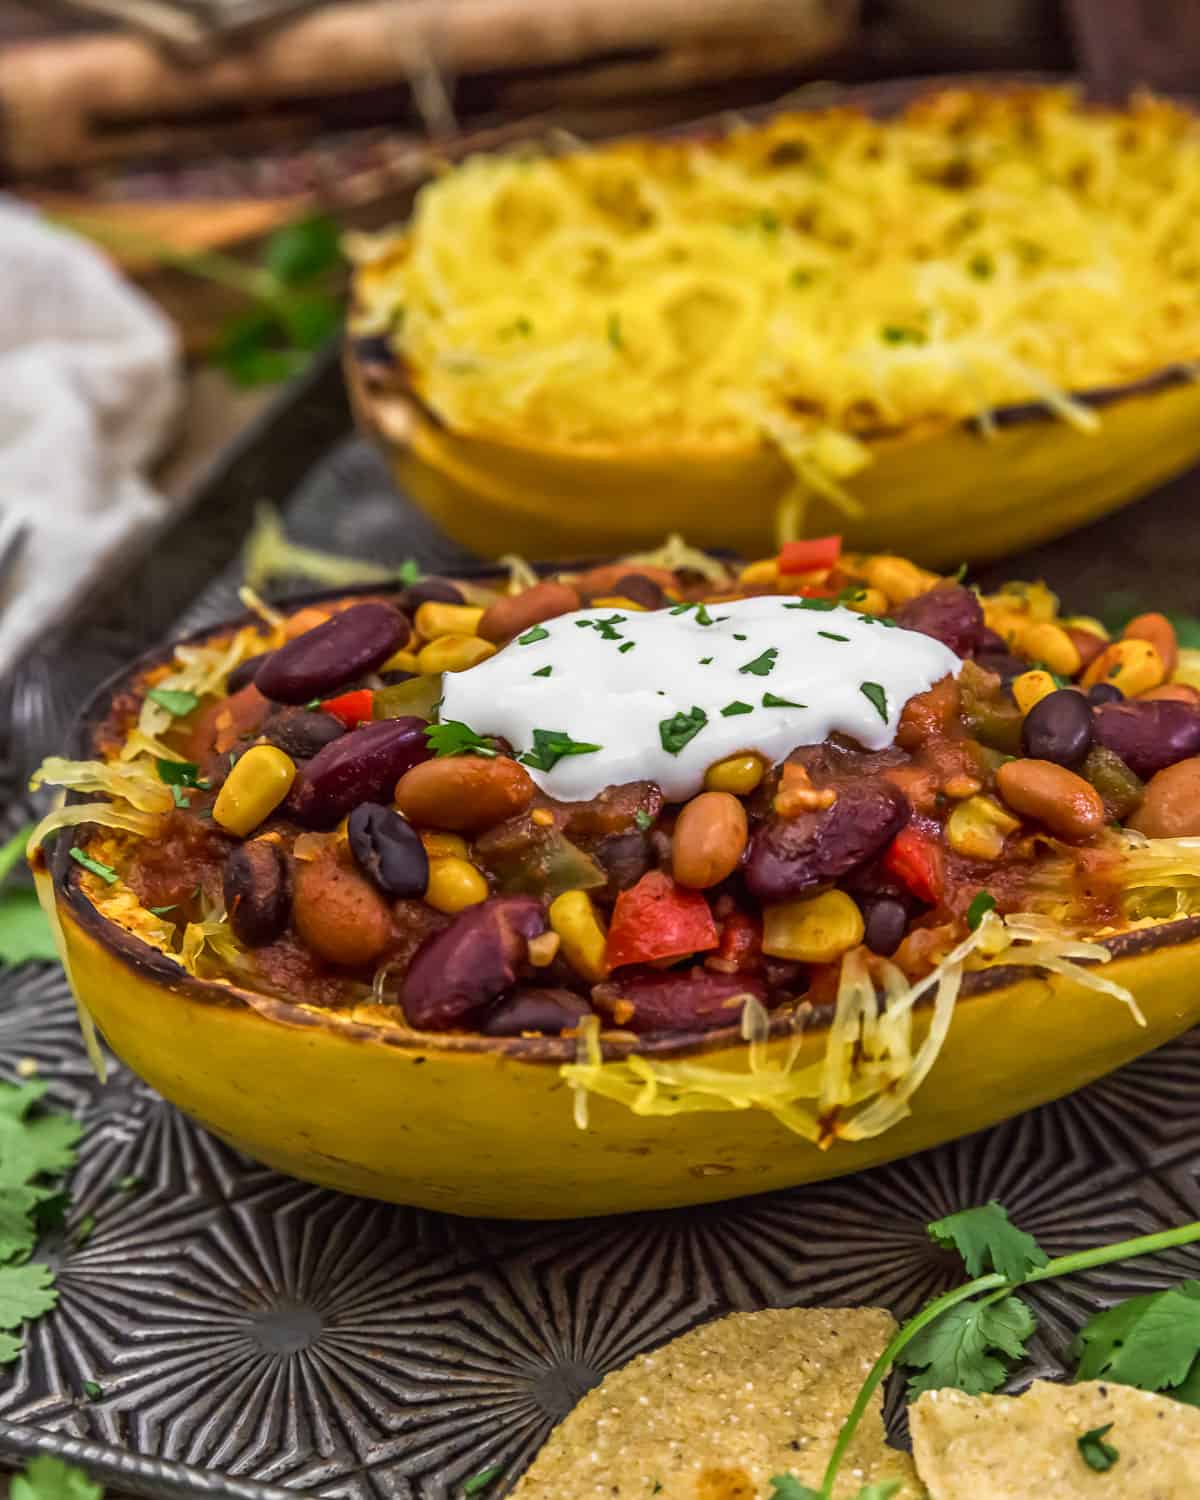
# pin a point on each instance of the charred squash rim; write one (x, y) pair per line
(133, 953)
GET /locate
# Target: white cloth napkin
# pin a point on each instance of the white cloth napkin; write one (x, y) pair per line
(89, 385)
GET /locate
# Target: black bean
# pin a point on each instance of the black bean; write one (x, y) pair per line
(1003, 663)
(886, 924)
(394, 679)
(300, 732)
(430, 591)
(364, 765)
(457, 972)
(1105, 692)
(789, 856)
(388, 850)
(544, 1010)
(639, 589)
(1059, 728)
(258, 894)
(333, 654)
(949, 613)
(244, 673)
(990, 641)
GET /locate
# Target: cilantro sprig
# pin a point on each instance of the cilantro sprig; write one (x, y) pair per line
(454, 738)
(24, 932)
(549, 747)
(50, 1478)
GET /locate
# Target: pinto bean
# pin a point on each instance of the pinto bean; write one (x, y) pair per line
(1060, 799)
(459, 971)
(1149, 734)
(709, 840)
(510, 616)
(361, 766)
(543, 1010)
(789, 856)
(1171, 806)
(949, 613)
(353, 642)
(694, 1000)
(466, 793)
(339, 914)
(257, 892)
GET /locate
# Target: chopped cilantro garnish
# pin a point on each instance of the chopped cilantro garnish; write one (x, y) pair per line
(702, 615)
(960, 572)
(160, 911)
(829, 636)
(179, 773)
(738, 637)
(313, 703)
(853, 593)
(480, 1481)
(763, 664)
(732, 709)
(177, 704)
(453, 738)
(628, 646)
(105, 872)
(821, 604)
(876, 696)
(769, 700)
(988, 1240)
(643, 819)
(681, 729)
(409, 571)
(1094, 1451)
(92, 1390)
(542, 672)
(180, 797)
(549, 747)
(706, 661)
(604, 628)
(981, 903)
(536, 634)
(584, 624)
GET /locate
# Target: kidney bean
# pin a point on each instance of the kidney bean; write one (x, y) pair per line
(458, 971)
(1060, 799)
(430, 591)
(245, 672)
(886, 924)
(1087, 643)
(1171, 806)
(388, 850)
(639, 589)
(709, 840)
(517, 613)
(257, 892)
(302, 732)
(1005, 665)
(1059, 728)
(1149, 735)
(343, 648)
(339, 914)
(692, 1000)
(1105, 692)
(1159, 631)
(465, 793)
(949, 613)
(362, 765)
(789, 856)
(546, 1010)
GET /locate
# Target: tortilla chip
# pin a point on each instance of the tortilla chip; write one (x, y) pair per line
(716, 1413)
(1015, 1447)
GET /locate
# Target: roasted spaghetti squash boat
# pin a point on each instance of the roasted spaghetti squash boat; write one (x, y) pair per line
(953, 332)
(648, 884)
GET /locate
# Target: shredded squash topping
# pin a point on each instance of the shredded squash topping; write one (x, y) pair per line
(813, 281)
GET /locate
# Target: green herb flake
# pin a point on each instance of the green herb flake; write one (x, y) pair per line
(763, 664)
(788, 1487)
(160, 911)
(643, 819)
(177, 704)
(179, 773)
(959, 573)
(409, 572)
(49, 1478)
(454, 738)
(180, 798)
(731, 710)
(550, 746)
(131, 1183)
(542, 672)
(479, 1482)
(1095, 1452)
(313, 703)
(681, 729)
(769, 700)
(876, 696)
(93, 1391)
(981, 903)
(628, 646)
(706, 661)
(85, 1230)
(538, 633)
(105, 872)
(823, 605)
(830, 636)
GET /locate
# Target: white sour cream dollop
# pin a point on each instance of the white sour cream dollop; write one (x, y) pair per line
(664, 695)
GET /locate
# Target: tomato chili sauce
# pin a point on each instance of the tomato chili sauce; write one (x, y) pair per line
(330, 824)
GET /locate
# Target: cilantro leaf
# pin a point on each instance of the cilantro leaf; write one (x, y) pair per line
(24, 932)
(549, 747)
(177, 704)
(302, 251)
(31, 1148)
(731, 710)
(981, 903)
(1094, 1451)
(105, 872)
(830, 636)
(643, 819)
(179, 773)
(545, 671)
(479, 1482)
(93, 1390)
(12, 851)
(988, 1241)
(965, 1347)
(762, 665)
(454, 738)
(25, 1292)
(1150, 1341)
(788, 1487)
(17, 1233)
(680, 729)
(821, 604)
(876, 696)
(409, 571)
(537, 633)
(10, 1349)
(48, 1478)
(769, 700)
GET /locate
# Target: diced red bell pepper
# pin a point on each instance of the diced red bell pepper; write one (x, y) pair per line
(658, 919)
(741, 942)
(915, 859)
(351, 709)
(808, 556)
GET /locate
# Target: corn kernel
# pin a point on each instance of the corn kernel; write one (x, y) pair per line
(444, 845)
(1031, 687)
(454, 884)
(978, 827)
(898, 578)
(1133, 666)
(813, 929)
(402, 661)
(738, 774)
(1050, 645)
(759, 575)
(542, 816)
(584, 939)
(258, 783)
(453, 653)
(869, 602)
(617, 601)
(543, 949)
(434, 620)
